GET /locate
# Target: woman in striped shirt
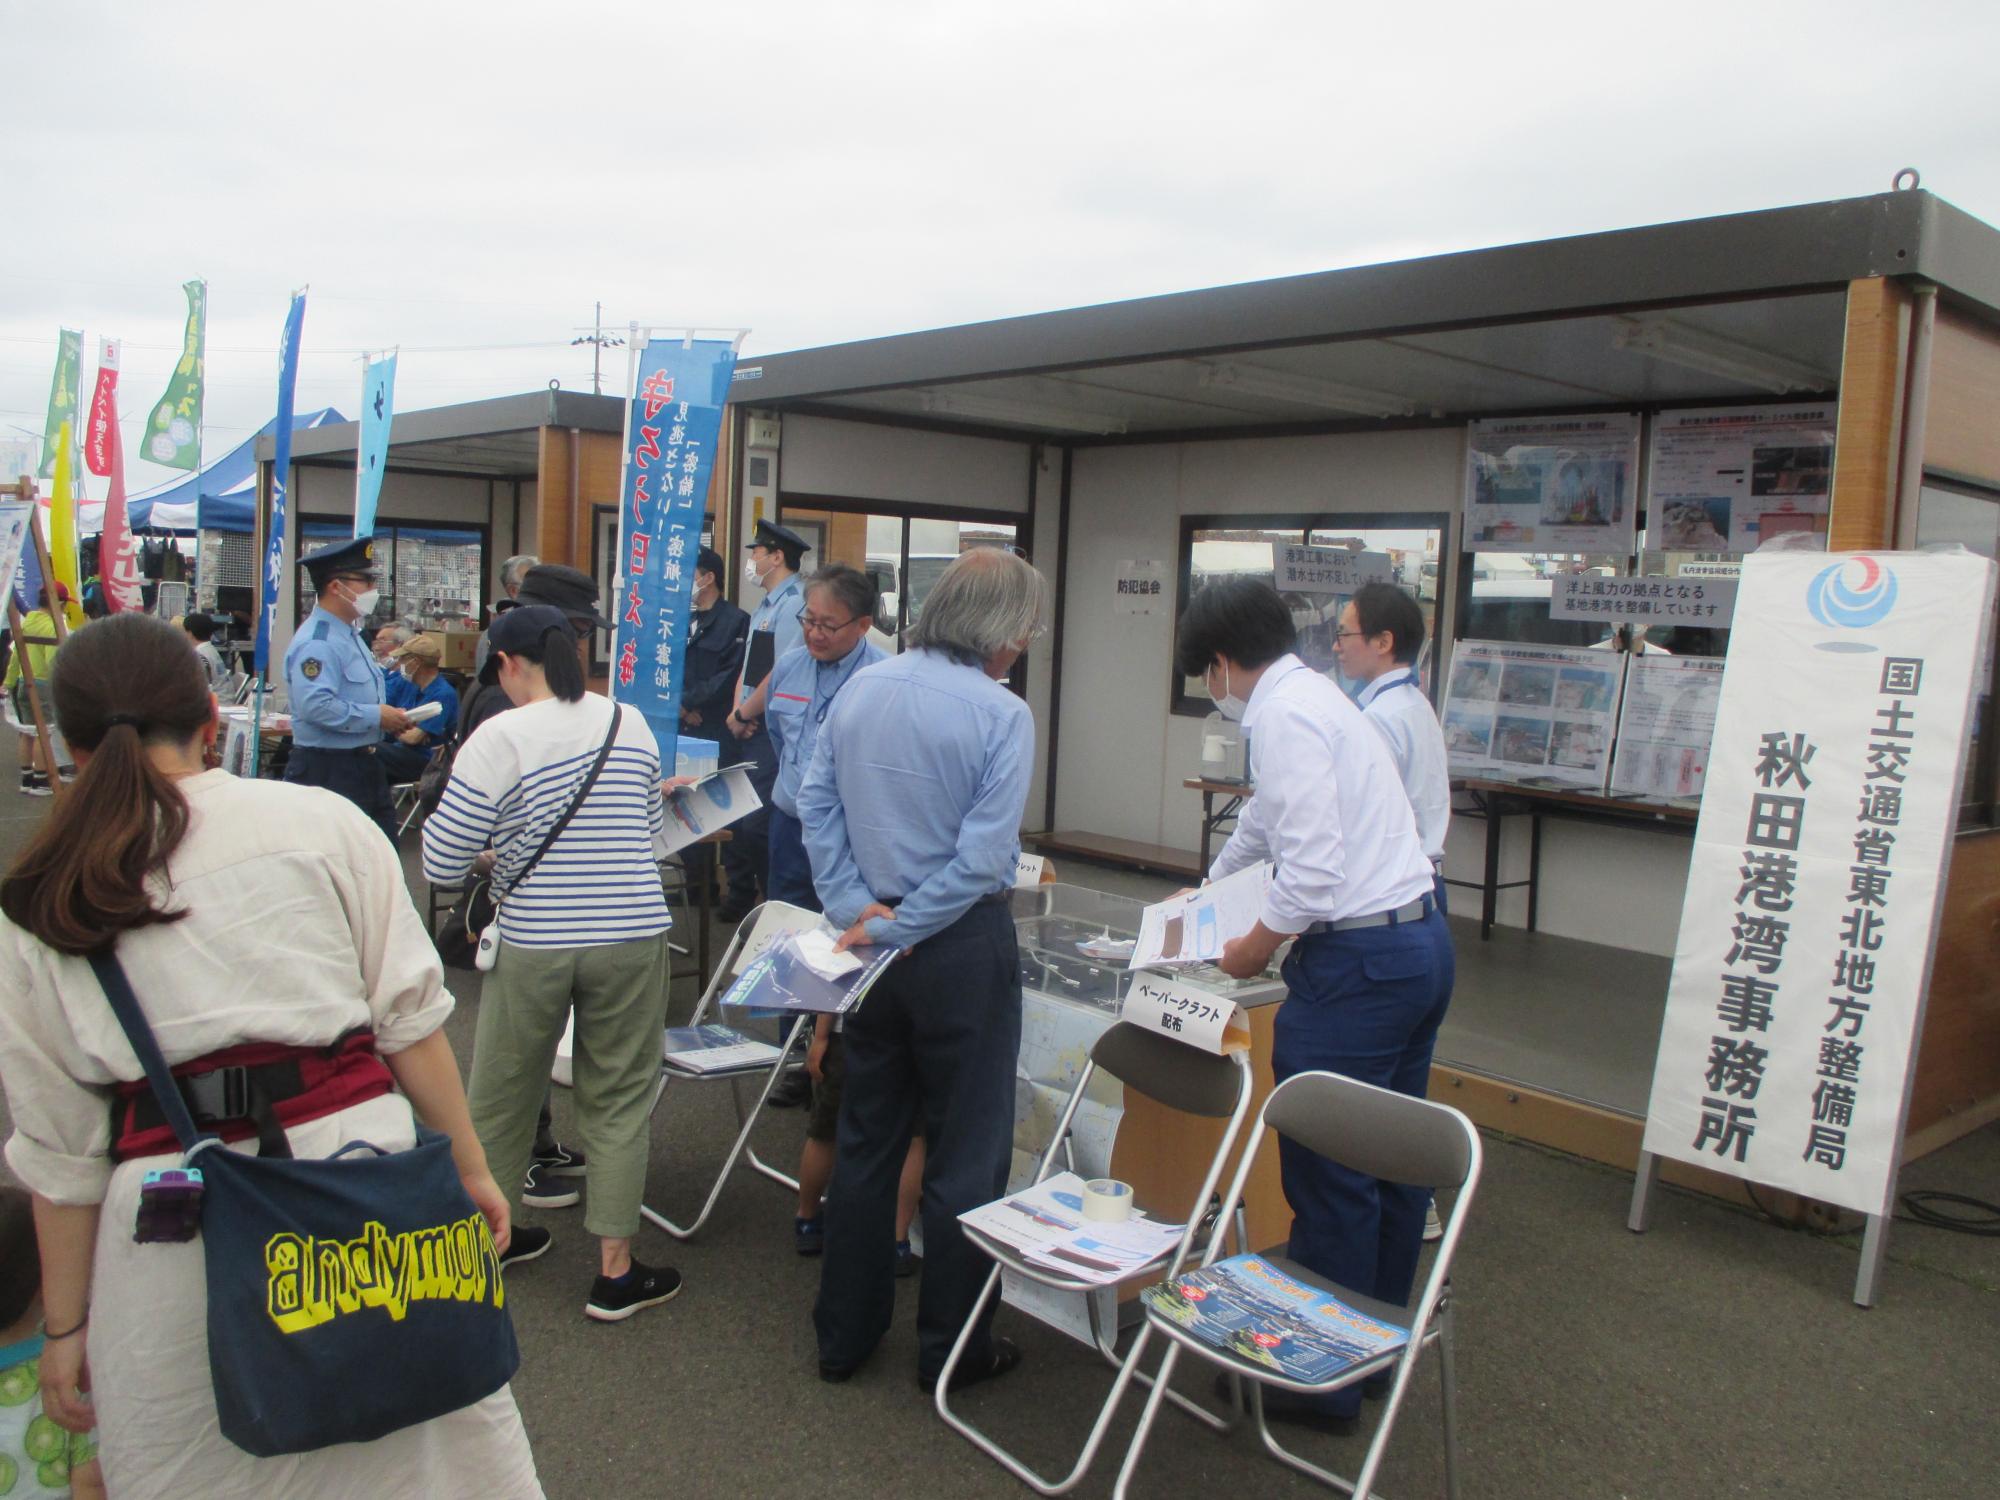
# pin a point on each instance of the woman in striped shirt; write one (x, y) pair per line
(584, 928)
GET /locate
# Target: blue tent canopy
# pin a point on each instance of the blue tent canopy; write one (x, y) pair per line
(223, 496)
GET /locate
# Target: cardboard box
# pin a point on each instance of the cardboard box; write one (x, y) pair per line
(461, 648)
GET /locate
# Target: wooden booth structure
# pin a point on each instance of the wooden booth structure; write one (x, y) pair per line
(1134, 448)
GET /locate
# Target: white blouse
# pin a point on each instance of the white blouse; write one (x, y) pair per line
(299, 929)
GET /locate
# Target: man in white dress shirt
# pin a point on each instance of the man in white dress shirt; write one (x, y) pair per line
(1370, 972)
(1381, 636)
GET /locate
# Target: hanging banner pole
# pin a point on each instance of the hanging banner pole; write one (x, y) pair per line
(274, 549)
(673, 419)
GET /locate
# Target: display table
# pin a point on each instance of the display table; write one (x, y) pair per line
(1233, 794)
(1496, 801)
(1068, 1000)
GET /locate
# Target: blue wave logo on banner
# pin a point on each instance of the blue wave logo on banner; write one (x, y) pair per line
(1835, 601)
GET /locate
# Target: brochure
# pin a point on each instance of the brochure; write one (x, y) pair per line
(1045, 1225)
(1247, 1307)
(715, 1049)
(1190, 930)
(783, 980)
(715, 801)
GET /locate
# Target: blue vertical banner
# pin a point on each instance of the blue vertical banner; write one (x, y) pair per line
(378, 409)
(670, 439)
(281, 465)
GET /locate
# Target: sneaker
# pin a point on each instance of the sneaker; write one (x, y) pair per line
(906, 1260)
(35, 784)
(527, 1243)
(641, 1287)
(560, 1161)
(543, 1190)
(1433, 1228)
(809, 1235)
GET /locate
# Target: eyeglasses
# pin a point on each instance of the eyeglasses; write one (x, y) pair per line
(1341, 635)
(814, 625)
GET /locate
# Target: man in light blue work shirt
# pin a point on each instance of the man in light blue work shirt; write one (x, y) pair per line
(840, 606)
(912, 814)
(773, 565)
(340, 708)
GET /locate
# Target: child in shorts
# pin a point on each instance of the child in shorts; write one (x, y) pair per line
(826, 1062)
(36, 1456)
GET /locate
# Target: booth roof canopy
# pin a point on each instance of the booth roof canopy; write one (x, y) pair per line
(1742, 307)
(495, 439)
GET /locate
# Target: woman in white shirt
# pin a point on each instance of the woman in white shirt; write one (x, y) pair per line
(583, 928)
(245, 912)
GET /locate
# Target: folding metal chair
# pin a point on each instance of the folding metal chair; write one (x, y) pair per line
(1175, 1074)
(1386, 1135)
(765, 922)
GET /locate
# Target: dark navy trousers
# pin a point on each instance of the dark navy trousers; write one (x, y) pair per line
(356, 774)
(746, 858)
(933, 1044)
(1367, 1004)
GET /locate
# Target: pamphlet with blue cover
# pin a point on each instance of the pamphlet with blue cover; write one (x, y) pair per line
(1247, 1307)
(801, 972)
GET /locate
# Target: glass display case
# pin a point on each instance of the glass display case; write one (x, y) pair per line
(1075, 942)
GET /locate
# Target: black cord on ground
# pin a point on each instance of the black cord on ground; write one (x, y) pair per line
(1921, 1207)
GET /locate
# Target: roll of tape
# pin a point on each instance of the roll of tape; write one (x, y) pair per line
(1107, 1200)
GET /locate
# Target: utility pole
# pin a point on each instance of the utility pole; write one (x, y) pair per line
(599, 342)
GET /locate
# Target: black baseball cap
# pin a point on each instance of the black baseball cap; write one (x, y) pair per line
(568, 589)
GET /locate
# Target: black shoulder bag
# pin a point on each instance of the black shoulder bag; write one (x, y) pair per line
(472, 916)
(349, 1296)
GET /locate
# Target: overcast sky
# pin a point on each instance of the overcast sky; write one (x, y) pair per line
(464, 181)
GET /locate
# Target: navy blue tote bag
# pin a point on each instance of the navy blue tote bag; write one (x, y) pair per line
(348, 1297)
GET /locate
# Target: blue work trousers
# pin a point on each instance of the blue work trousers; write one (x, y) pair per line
(1366, 1004)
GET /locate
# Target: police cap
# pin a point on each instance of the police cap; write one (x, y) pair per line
(781, 539)
(354, 558)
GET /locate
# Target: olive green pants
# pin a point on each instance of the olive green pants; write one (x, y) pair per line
(619, 993)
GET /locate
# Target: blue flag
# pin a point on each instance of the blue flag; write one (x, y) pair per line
(281, 463)
(378, 408)
(671, 432)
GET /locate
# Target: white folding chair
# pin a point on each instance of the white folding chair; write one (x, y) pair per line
(1181, 1078)
(1386, 1135)
(754, 933)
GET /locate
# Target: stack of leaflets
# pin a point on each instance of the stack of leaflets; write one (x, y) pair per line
(801, 972)
(1045, 1224)
(1247, 1307)
(715, 1049)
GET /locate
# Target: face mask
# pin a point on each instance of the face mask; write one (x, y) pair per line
(750, 574)
(1226, 703)
(364, 602)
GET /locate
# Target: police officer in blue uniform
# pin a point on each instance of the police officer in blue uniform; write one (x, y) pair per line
(338, 694)
(775, 554)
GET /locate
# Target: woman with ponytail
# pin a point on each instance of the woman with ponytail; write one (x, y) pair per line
(266, 928)
(582, 928)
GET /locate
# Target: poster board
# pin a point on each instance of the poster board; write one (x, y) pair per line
(1541, 715)
(1813, 898)
(1729, 478)
(1552, 484)
(1665, 723)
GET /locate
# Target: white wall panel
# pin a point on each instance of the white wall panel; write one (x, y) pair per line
(865, 460)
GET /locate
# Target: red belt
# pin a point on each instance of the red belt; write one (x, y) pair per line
(254, 1089)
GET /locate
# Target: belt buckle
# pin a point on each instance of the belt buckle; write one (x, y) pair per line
(221, 1094)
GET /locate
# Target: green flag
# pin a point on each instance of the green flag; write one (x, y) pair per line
(62, 398)
(173, 432)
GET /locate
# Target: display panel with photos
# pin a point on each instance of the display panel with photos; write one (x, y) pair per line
(1540, 715)
(1664, 727)
(1552, 484)
(1729, 479)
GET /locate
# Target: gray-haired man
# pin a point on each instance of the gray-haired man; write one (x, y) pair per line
(912, 815)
